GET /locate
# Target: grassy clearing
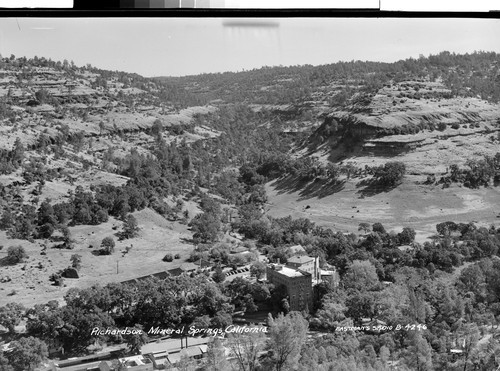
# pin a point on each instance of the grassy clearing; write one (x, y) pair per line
(156, 238)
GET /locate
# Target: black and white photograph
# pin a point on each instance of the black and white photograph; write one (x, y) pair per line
(223, 193)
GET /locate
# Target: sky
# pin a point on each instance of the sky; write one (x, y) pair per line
(188, 46)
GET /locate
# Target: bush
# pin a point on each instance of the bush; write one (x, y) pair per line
(455, 126)
(130, 227)
(57, 279)
(441, 126)
(16, 254)
(108, 246)
(177, 256)
(391, 174)
(168, 258)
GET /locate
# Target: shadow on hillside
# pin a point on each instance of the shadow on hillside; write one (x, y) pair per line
(189, 241)
(370, 187)
(6, 261)
(318, 188)
(341, 152)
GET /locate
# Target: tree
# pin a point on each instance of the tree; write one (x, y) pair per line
(157, 128)
(245, 348)
(76, 261)
(42, 95)
(365, 227)
(108, 245)
(67, 239)
(469, 335)
(45, 230)
(186, 363)
(419, 354)
(287, 335)
(391, 174)
(361, 275)
(406, 236)
(117, 365)
(24, 229)
(257, 269)
(218, 276)
(16, 254)
(379, 228)
(17, 152)
(27, 353)
(7, 219)
(46, 219)
(243, 294)
(206, 227)
(136, 339)
(215, 359)
(11, 315)
(4, 363)
(168, 258)
(445, 228)
(472, 279)
(332, 313)
(130, 227)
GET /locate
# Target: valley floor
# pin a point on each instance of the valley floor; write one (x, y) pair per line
(420, 207)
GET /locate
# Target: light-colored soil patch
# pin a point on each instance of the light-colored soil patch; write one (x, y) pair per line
(409, 205)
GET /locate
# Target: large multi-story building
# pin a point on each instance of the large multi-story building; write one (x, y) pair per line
(298, 284)
(299, 275)
(307, 264)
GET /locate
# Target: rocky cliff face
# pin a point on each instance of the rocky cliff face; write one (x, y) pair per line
(46, 100)
(407, 109)
(418, 123)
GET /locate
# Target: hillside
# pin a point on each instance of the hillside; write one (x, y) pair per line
(388, 173)
(84, 126)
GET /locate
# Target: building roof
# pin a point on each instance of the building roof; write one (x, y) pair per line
(186, 267)
(203, 263)
(82, 366)
(238, 249)
(189, 352)
(286, 271)
(300, 259)
(175, 271)
(161, 275)
(405, 248)
(327, 273)
(372, 322)
(171, 345)
(193, 351)
(297, 249)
